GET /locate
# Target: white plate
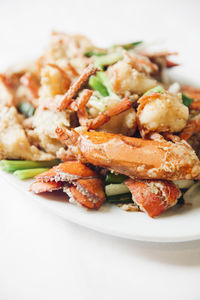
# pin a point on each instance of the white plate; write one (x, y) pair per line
(175, 225)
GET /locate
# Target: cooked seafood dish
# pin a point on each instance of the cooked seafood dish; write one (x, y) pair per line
(102, 125)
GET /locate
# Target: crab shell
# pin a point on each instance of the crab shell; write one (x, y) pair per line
(153, 196)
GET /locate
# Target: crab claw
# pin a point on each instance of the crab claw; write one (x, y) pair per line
(153, 196)
(87, 192)
(38, 186)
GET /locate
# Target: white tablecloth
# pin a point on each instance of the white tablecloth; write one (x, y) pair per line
(45, 257)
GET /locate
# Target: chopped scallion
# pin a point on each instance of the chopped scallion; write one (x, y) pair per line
(29, 173)
(93, 53)
(108, 59)
(14, 165)
(102, 76)
(129, 45)
(96, 84)
(157, 89)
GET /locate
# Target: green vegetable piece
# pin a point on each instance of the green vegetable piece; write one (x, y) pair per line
(108, 59)
(93, 53)
(130, 45)
(113, 178)
(120, 199)
(29, 173)
(26, 109)
(14, 165)
(116, 189)
(105, 81)
(187, 101)
(95, 84)
(157, 89)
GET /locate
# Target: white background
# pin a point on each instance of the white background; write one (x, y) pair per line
(45, 257)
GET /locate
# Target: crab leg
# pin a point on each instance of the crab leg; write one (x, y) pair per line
(153, 196)
(80, 106)
(134, 157)
(67, 98)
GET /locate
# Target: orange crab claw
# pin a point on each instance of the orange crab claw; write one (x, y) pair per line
(153, 196)
(38, 186)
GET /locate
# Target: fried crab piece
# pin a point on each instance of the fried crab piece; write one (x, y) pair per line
(79, 182)
(141, 63)
(13, 138)
(126, 79)
(54, 81)
(157, 112)
(153, 196)
(38, 186)
(192, 127)
(134, 157)
(119, 117)
(67, 171)
(73, 170)
(87, 192)
(80, 106)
